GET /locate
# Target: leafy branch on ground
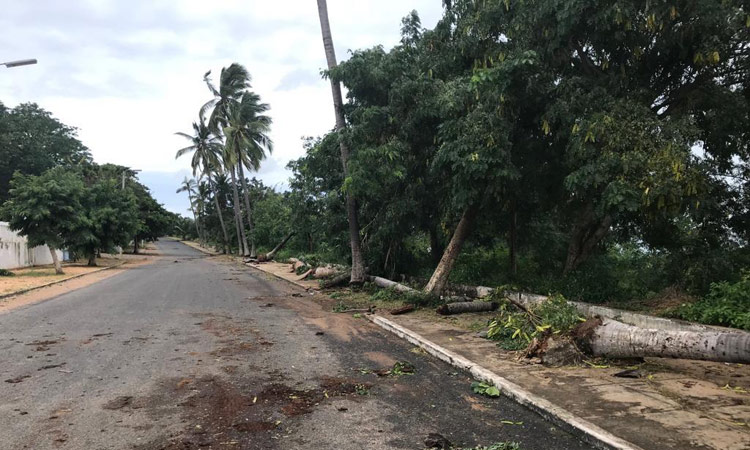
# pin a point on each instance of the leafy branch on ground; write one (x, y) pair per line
(515, 329)
(6, 273)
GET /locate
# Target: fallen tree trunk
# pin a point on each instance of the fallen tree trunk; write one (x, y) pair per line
(338, 280)
(269, 256)
(324, 272)
(388, 284)
(402, 310)
(613, 339)
(466, 307)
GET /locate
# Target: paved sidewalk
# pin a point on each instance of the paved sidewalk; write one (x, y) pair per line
(678, 404)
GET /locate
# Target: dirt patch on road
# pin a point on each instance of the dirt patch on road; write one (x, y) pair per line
(237, 413)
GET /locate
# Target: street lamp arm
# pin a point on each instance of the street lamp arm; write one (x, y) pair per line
(20, 62)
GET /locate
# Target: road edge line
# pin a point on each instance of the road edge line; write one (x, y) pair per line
(566, 420)
(24, 291)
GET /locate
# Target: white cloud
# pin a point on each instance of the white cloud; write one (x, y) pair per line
(129, 74)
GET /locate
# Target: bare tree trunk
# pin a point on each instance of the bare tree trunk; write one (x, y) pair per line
(436, 249)
(513, 240)
(55, 260)
(272, 253)
(587, 233)
(241, 238)
(466, 307)
(443, 270)
(195, 217)
(617, 340)
(220, 214)
(358, 265)
(388, 284)
(248, 211)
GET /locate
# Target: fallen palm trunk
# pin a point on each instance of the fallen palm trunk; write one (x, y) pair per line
(466, 307)
(610, 338)
(388, 284)
(339, 279)
(402, 310)
(269, 256)
(324, 272)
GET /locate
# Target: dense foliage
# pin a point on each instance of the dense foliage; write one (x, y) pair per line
(55, 195)
(597, 149)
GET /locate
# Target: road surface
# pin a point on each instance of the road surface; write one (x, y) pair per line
(198, 352)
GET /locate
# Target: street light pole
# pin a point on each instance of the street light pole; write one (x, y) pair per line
(20, 62)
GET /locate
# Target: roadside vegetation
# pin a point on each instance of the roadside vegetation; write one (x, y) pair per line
(596, 151)
(53, 193)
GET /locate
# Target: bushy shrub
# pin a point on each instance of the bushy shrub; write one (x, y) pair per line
(727, 304)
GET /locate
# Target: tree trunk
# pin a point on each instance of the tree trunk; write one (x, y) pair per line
(135, 245)
(436, 248)
(195, 218)
(272, 253)
(241, 238)
(587, 233)
(248, 211)
(358, 265)
(336, 281)
(55, 260)
(220, 214)
(442, 271)
(466, 307)
(513, 241)
(615, 339)
(92, 259)
(385, 283)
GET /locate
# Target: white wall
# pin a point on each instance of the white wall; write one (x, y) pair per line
(14, 252)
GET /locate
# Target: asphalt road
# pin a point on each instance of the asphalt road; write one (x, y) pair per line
(197, 352)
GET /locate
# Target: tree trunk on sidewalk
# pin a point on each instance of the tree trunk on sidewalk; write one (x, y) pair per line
(613, 339)
(55, 260)
(248, 211)
(443, 270)
(135, 245)
(92, 259)
(358, 265)
(241, 238)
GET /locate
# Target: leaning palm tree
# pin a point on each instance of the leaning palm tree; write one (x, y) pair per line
(247, 137)
(188, 185)
(358, 264)
(206, 149)
(233, 82)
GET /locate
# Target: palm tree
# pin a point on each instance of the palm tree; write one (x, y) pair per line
(188, 185)
(206, 149)
(233, 82)
(247, 138)
(358, 265)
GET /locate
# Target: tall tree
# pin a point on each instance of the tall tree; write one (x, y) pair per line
(47, 208)
(206, 149)
(358, 264)
(234, 81)
(188, 185)
(247, 134)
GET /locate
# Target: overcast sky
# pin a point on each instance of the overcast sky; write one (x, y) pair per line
(128, 73)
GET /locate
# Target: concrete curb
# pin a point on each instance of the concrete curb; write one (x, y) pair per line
(23, 291)
(585, 430)
(575, 425)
